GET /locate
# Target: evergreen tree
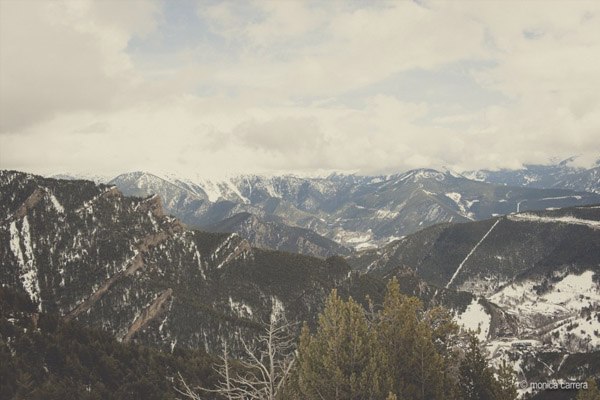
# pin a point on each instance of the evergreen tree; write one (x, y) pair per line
(476, 377)
(411, 366)
(392, 355)
(337, 362)
(445, 337)
(506, 388)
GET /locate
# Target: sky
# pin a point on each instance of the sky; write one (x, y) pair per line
(214, 88)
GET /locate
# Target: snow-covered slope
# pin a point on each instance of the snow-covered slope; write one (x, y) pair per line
(96, 178)
(558, 175)
(475, 318)
(93, 255)
(563, 309)
(534, 279)
(355, 211)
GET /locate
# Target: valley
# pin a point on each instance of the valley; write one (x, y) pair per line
(527, 283)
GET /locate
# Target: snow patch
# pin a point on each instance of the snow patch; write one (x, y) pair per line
(463, 205)
(241, 309)
(15, 244)
(57, 206)
(277, 308)
(386, 214)
(562, 220)
(470, 253)
(211, 190)
(25, 260)
(557, 312)
(562, 197)
(235, 190)
(455, 197)
(475, 318)
(365, 246)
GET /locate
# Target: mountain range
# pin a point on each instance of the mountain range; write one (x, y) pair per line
(560, 175)
(356, 212)
(528, 282)
(89, 253)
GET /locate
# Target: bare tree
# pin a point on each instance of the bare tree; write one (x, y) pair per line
(266, 367)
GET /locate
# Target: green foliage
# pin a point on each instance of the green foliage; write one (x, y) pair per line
(400, 352)
(477, 380)
(338, 361)
(412, 367)
(46, 358)
(507, 383)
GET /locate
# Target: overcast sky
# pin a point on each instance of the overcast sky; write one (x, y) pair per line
(211, 88)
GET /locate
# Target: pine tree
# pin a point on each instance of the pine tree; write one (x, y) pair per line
(591, 393)
(337, 363)
(476, 377)
(400, 352)
(444, 332)
(506, 388)
(412, 368)
(445, 337)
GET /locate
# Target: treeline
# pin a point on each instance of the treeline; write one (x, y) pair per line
(400, 351)
(45, 358)
(395, 351)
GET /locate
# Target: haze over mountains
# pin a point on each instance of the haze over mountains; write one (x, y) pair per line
(226, 163)
(528, 282)
(354, 211)
(561, 175)
(91, 254)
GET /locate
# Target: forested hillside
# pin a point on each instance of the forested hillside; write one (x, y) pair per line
(45, 358)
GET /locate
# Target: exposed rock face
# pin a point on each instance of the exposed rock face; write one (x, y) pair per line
(356, 212)
(561, 175)
(155, 310)
(93, 255)
(120, 263)
(534, 279)
(271, 233)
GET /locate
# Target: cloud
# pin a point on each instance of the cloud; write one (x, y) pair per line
(281, 135)
(94, 127)
(65, 56)
(225, 87)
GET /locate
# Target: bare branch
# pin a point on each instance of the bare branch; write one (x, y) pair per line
(266, 369)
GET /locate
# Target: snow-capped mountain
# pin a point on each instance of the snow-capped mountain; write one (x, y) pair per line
(561, 175)
(93, 255)
(90, 254)
(529, 282)
(96, 178)
(352, 210)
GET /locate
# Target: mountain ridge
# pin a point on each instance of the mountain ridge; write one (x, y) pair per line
(554, 175)
(120, 263)
(354, 211)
